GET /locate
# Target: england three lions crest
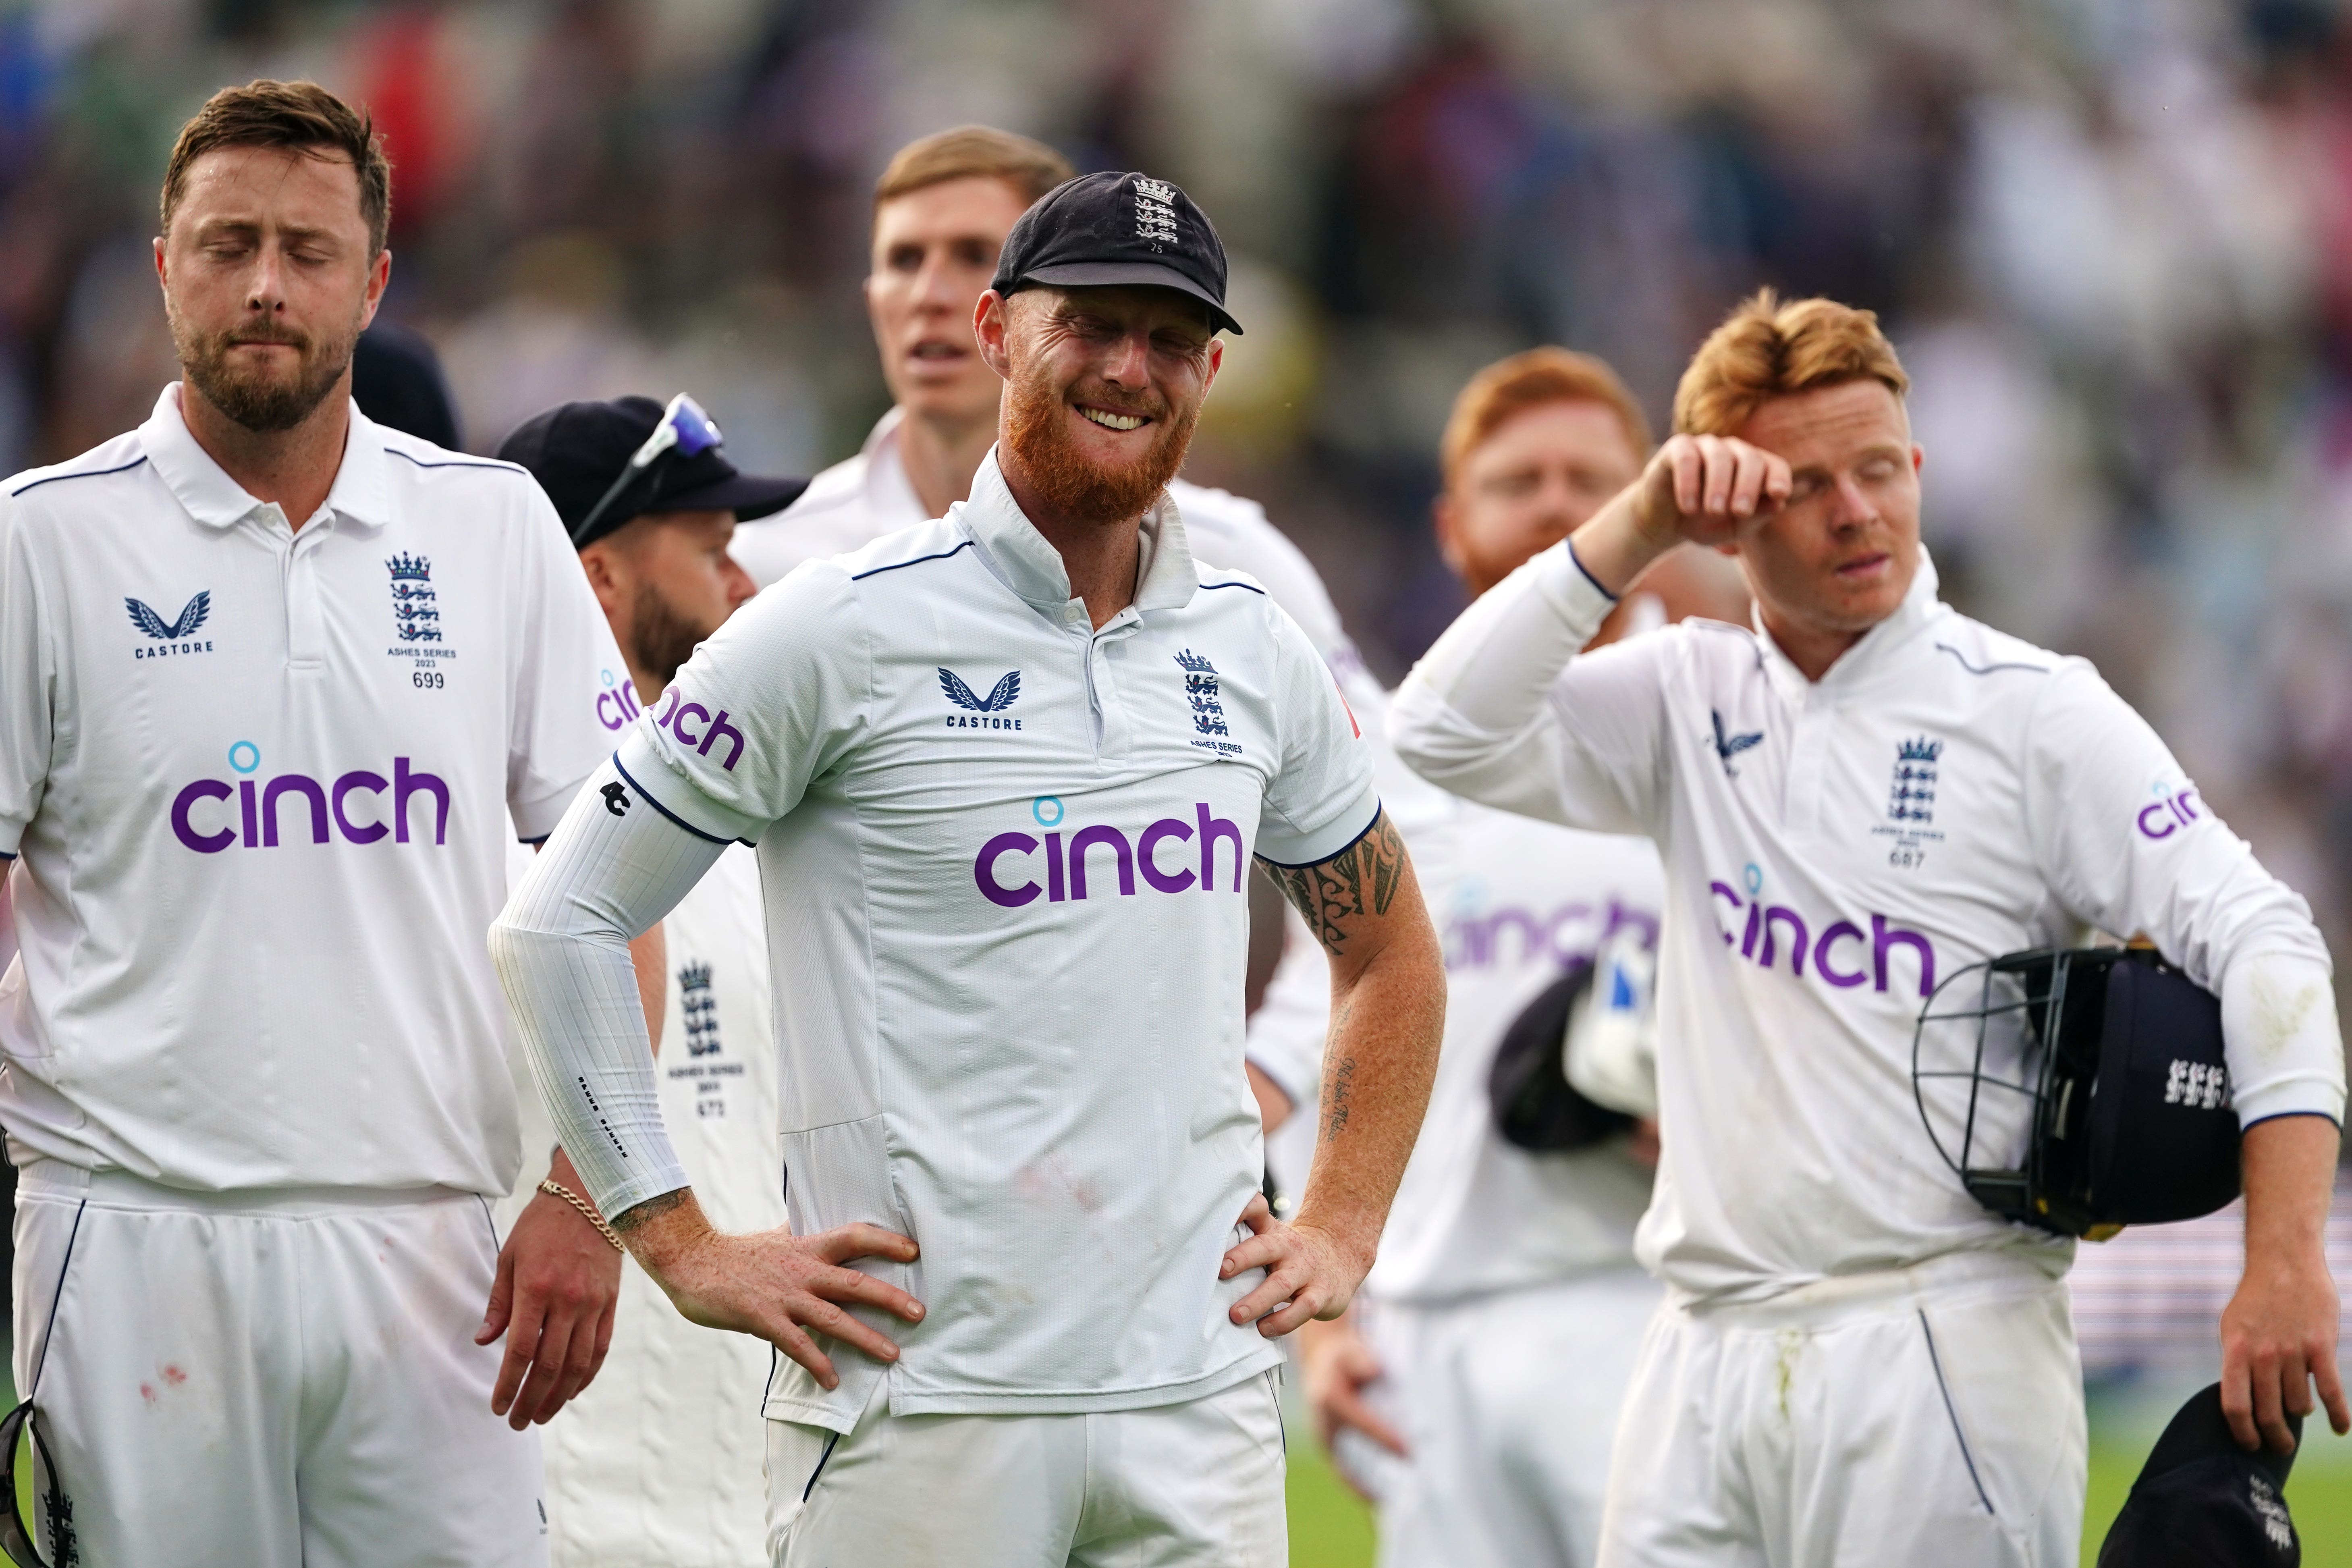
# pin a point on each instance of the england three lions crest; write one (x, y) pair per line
(1911, 801)
(1208, 712)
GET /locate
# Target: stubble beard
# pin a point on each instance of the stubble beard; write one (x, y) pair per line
(256, 401)
(1068, 480)
(661, 639)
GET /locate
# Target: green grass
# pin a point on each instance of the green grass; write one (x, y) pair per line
(1331, 1529)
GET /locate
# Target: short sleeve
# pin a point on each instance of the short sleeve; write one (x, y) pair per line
(565, 662)
(27, 685)
(772, 701)
(1321, 797)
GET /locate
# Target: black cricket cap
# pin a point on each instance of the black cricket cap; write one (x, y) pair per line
(396, 380)
(576, 451)
(1109, 229)
(2204, 1502)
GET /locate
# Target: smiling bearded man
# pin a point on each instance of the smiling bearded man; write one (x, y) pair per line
(1009, 1022)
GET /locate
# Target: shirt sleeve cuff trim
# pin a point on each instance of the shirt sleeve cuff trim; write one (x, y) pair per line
(1589, 577)
(2337, 1118)
(658, 805)
(1334, 855)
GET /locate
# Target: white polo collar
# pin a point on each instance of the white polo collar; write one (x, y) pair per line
(361, 493)
(1865, 658)
(1021, 557)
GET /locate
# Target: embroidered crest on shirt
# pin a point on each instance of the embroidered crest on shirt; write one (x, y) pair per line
(1911, 800)
(417, 619)
(1728, 745)
(1155, 212)
(698, 1005)
(1208, 713)
(1001, 696)
(174, 635)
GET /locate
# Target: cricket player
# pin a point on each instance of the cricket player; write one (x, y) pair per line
(1005, 770)
(1491, 1343)
(658, 1464)
(1856, 1363)
(941, 211)
(272, 678)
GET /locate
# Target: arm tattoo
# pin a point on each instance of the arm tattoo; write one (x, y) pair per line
(1334, 893)
(1337, 1090)
(632, 1217)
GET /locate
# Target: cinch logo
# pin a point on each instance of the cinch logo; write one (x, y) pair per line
(616, 707)
(1569, 935)
(2163, 818)
(257, 819)
(698, 726)
(1769, 925)
(1065, 869)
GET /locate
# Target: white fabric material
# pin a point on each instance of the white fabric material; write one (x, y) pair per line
(613, 867)
(863, 498)
(270, 1380)
(1009, 1020)
(1521, 902)
(1933, 1415)
(1814, 896)
(1196, 1484)
(656, 1463)
(1508, 1404)
(258, 854)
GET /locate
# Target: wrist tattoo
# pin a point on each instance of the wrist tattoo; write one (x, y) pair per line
(652, 1209)
(1334, 894)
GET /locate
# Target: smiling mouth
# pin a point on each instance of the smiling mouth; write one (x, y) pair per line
(1111, 421)
(935, 349)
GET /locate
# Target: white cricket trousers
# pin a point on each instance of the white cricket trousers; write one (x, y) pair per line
(1196, 1484)
(1932, 1415)
(1508, 1403)
(282, 1379)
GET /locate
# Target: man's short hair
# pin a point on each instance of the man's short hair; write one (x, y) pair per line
(974, 151)
(1509, 387)
(1766, 349)
(301, 117)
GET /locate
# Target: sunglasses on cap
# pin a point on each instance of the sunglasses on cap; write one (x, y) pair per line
(685, 431)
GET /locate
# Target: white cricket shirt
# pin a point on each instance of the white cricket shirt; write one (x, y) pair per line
(1520, 902)
(862, 497)
(1002, 856)
(260, 782)
(1942, 795)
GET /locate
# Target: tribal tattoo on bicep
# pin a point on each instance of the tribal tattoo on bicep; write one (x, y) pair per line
(1334, 894)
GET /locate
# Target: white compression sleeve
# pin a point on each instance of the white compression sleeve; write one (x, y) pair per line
(561, 948)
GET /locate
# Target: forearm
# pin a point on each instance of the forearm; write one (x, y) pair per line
(2290, 1176)
(562, 950)
(650, 956)
(1386, 1022)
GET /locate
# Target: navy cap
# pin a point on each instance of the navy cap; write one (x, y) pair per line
(576, 451)
(1111, 229)
(2204, 1502)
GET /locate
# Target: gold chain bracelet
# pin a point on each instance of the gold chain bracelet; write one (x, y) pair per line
(603, 1228)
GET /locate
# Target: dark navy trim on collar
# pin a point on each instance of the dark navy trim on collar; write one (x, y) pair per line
(1259, 592)
(93, 474)
(918, 561)
(658, 805)
(459, 462)
(1990, 669)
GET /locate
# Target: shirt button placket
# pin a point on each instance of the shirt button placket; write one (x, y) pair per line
(305, 639)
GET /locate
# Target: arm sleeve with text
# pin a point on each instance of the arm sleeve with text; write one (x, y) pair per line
(1504, 711)
(2126, 845)
(566, 659)
(1321, 797)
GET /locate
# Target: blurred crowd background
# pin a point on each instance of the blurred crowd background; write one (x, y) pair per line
(2112, 239)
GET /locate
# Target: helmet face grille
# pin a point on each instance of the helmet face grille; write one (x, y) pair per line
(2042, 1078)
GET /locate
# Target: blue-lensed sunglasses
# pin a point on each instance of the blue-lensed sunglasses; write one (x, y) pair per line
(685, 430)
